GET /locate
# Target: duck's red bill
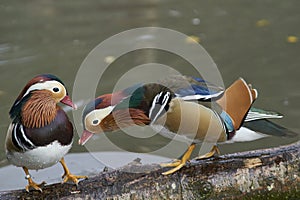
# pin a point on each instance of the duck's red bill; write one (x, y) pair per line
(86, 135)
(67, 100)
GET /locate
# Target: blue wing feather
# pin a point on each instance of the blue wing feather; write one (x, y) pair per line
(199, 89)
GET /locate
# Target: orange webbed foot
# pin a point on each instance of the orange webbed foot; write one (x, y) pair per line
(31, 183)
(178, 164)
(68, 176)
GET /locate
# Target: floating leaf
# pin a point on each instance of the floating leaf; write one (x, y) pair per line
(262, 23)
(292, 39)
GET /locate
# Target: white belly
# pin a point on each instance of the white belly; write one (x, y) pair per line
(245, 134)
(39, 158)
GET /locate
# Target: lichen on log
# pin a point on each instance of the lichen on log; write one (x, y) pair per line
(261, 174)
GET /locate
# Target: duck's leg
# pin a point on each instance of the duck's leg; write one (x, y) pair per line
(67, 175)
(214, 150)
(174, 163)
(31, 183)
(178, 164)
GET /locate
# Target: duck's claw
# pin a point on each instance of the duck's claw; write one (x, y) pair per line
(178, 164)
(68, 176)
(31, 183)
(213, 151)
(73, 178)
(35, 186)
(172, 164)
(171, 171)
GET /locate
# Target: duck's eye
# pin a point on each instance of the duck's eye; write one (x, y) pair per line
(95, 121)
(55, 89)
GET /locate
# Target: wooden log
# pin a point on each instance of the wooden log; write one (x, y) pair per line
(262, 174)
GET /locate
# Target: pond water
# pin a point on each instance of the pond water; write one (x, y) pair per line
(256, 40)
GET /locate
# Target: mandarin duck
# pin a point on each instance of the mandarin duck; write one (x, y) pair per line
(40, 133)
(189, 107)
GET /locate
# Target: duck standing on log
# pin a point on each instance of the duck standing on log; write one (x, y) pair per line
(189, 107)
(40, 133)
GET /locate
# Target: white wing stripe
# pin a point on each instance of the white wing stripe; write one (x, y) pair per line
(24, 136)
(255, 116)
(15, 136)
(164, 103)
(200, 97)
(20, 139)
(155, 100)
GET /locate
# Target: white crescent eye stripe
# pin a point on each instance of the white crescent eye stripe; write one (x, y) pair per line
(98, 114)
(47, 85)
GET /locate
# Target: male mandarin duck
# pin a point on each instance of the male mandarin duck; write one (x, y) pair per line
(40, 133)
(182, 105)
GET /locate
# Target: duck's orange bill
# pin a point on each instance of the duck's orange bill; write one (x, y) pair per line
(86, 135)
(67, 101)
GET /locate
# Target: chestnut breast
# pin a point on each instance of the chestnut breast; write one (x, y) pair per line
(60, 129)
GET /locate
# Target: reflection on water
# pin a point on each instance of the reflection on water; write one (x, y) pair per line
(245, 40)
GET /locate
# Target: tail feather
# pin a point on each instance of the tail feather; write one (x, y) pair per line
(256, 114)
(267, 127)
